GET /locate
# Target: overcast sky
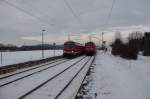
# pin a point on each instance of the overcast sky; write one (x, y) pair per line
(22, 21)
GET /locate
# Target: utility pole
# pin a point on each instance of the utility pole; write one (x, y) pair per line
(90, 38)
(102, 37)
(54, 45)
(24, 44)
(68, 37)
(102, 41)
(43, 43)
(1, 58)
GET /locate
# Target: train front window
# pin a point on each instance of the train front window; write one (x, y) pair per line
(69, 45)
(89, 44)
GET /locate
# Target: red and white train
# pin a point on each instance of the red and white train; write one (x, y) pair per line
(72, 48)
(90, 48)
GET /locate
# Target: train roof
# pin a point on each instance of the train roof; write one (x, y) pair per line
(67, 42)
(89, 42)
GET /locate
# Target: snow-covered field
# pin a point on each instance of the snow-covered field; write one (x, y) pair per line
(117, 78)
(23, 56)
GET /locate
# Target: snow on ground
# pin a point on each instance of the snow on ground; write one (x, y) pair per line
(11, 78)
(23, 56)
(117, 78)
(71, 91)
(20, 87)
(37, 66)
(51, 89)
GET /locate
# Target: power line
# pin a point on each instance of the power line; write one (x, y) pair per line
(26, 12)
(108, 18)
(110, 13)
(32, 6)
(72, 11)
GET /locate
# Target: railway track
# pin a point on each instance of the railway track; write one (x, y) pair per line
(55, 63)
(67, 85)
(74, 68)
(27, 69)
(75, 82)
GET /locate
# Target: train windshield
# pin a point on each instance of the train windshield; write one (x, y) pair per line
(89, 44)
(69, 45)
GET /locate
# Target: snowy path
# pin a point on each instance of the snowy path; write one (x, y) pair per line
(117, 78)
(16, 89)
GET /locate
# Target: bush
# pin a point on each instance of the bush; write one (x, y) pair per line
(117, 47)
(129, 50)
(146, 49)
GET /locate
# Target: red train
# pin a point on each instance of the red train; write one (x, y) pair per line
(90, 48)
(72, 49)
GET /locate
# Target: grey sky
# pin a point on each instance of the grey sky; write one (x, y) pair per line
(58, 19)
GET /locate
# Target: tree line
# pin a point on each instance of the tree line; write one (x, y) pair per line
(136, 42)
(10, 47)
